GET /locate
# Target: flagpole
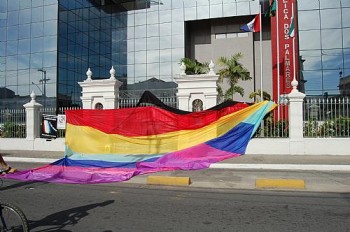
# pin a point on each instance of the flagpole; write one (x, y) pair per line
(294, 68)
(261, 56)
(278, 62)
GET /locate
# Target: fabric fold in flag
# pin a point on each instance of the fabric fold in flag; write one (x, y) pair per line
(100, 148)
(252, 26)
(291, 27)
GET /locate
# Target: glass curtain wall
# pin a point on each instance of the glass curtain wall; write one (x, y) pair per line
(324, 34)
(28, 52)
(143, 40)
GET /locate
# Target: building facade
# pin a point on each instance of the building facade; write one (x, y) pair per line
(46, 46)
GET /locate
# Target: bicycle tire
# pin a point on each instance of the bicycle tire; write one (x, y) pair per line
(12, 218)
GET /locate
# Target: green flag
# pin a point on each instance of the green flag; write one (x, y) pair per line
(271, 10)
(291, 27)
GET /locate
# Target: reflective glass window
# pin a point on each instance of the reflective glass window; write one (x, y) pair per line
(50, 59)
(40, 3)
(50, 27)
(13, 5)
(50, 12)
(165, 55)
(12, 18)
(308, 20)
(331, 18)
(165, 69)
(308, 5)
(346, 40)
(2, 48)
(152, 17)
(329, 4)
(12, 33)
(11, 62)
(23, 46)
(152, 30)
(331, 38)
(12, 47)
(165, 42)
(3, 33)
(165, 29)
(331, 81)
(11, 80)
(165, 16)
(25, 16)
(50, 43)
(332, 58)
(314, 81)
(24, 31)
(177, 15)
(140, 31)
(312, 59)
(140, 57)
(178, 28)
(177, 54)
(140, 71)
(37, 29)
(152, 70)
(37, 45)
(3, 6)
(345, 17)
(310, 39)
(178, 41)
(23, 62)
(25, 4)
(140, 19)
(152, 56)
(140, 44)
(153, 43)
(37, 14)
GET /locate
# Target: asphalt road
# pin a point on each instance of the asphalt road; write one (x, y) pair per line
(117, 207)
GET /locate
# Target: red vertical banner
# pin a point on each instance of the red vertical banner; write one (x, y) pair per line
(282, 47)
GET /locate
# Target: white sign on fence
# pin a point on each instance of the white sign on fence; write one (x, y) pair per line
(61, 121)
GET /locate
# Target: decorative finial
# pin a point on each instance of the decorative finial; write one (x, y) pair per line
(32, 96)
(211, 68)
(89, 74)
(295, 85)
(183, 69)
(112, 72)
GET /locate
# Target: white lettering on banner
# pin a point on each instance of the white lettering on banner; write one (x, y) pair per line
(288, 52)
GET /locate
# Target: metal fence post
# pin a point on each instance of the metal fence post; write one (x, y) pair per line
(32, 118)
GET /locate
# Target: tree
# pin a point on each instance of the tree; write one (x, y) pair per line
(194, 67)
(233, 71)
(257, 95)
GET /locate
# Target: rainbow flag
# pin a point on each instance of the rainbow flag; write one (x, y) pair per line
(114, 145)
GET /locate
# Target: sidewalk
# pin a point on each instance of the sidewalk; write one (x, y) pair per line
(318, 173)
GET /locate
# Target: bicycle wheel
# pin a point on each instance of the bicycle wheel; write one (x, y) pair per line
(12, 219)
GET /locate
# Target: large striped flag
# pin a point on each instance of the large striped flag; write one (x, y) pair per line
(115, 145)
(252, 26)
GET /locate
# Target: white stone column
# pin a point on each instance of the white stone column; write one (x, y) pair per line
(32, 118)
(296, 126)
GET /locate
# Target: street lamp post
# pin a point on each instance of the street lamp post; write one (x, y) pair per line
(43, 81)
